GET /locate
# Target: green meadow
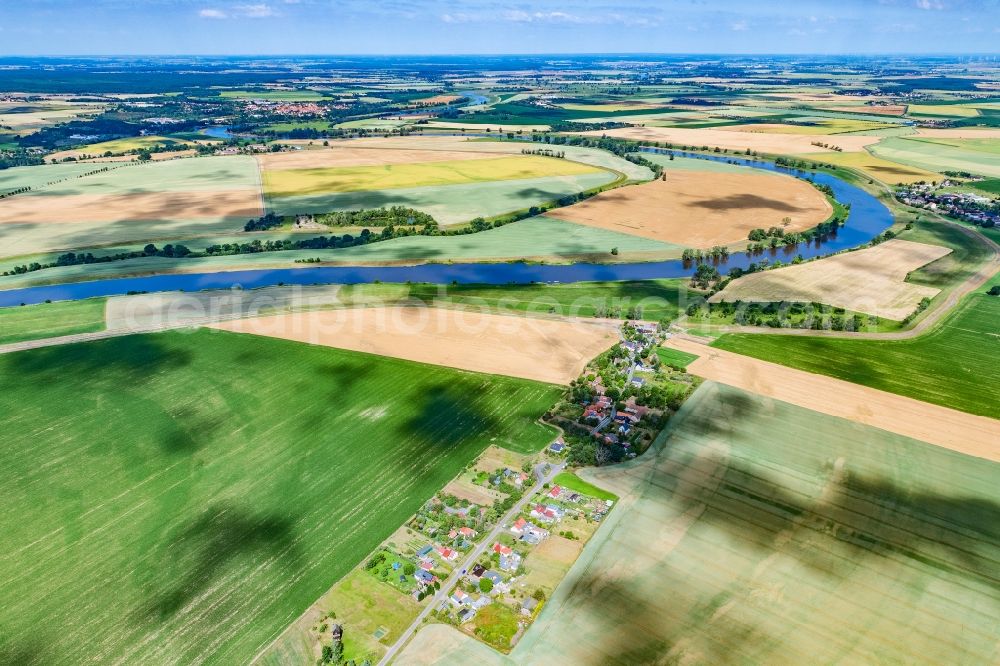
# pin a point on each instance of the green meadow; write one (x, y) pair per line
(955, 365)
(182, 497)
(49, 320)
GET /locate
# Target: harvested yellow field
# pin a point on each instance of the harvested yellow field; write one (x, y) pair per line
(879, 110)
(869, 280)
(961, 133)
(948, 428)
(364, 154)
(876, 168)
(541, 349)
(779, 144)
(820, 130)
(296, 182)
(699, 209)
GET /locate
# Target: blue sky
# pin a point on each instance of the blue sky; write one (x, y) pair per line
(33, 27)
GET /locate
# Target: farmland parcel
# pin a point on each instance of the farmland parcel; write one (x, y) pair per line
(759, 532)
(191, 494)
(703, 208)
(869, 280)
(541, 349)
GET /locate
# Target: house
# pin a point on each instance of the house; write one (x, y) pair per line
(462, 511)
(528, 606)
(543, 514)
(425, 551)
(459, 598)
(556, 447)
(467, 532)
(424, 577)
(466, 614)
(520, 479)
(502, 549)
(510, 562)
(518, 527)
(447, 554)
(477, 571)
(493, 577)
(426, 565)
(555, 492)
(481, 602)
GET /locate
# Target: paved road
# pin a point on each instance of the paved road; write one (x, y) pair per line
(470, 560)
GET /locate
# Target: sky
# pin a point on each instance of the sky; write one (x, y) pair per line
(212, 27)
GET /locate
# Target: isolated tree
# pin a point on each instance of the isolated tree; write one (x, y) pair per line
(485, 585)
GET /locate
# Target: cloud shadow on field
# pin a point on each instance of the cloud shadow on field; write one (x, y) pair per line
(856, 529)
(206, 549)
(741, 201)
(448, 414)
(134, 358)
(24, 652)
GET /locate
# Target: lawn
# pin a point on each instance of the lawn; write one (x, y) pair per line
(191, 493)
(300, 182)
(675, 357)
(954, 365)
(572, 482)
(48, 320)
(758, 532)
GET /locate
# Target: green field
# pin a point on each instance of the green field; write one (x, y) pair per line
(39, 176)
(450, 204)
(572, 482)
(674, 357)
(990, 185)
(48, 320)
(954, 365)
(318, 125)
(540, 237)
(979, 156)
(757, 532)
(127, 144)
(275, 95)
(191, 493)
(305, 182)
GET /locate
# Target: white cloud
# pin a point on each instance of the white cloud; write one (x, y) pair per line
(739, 26)
(212, 14)
(930, 4)
(256, 11)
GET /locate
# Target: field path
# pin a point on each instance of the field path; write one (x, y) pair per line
(948, 428)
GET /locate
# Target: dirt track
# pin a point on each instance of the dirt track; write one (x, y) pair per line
(702, 208)
(948, 428)
(531, 348)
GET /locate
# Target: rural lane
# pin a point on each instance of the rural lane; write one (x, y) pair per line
(457, 573)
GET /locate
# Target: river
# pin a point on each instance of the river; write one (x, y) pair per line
(868, 218)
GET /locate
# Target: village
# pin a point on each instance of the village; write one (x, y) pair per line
(621, 401)
(969, 207)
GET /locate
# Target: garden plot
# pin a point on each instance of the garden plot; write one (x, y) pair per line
(871, 280)
(541, 349)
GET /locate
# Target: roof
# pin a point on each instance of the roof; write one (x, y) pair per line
(425, 550)
(555, 491)
(529, 603)
(493, 576)
(478, 570)
(502, 549)
(556, 446)
(520, 523)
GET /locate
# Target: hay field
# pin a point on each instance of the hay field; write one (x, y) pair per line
(700, 209)
(951, 366)
(871, 280)
(245, 477)
(49, 320)
(876, 168)
(305, 182)
(539, 349)
(929, 154)
(780, 144)
(955, 110)
(756, 531)
(818, 127)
